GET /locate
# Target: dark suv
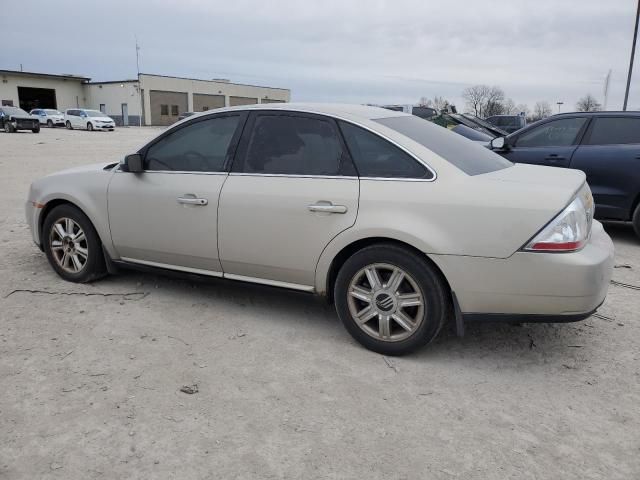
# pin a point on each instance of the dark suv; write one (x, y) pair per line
(604, 145)
(14, 118)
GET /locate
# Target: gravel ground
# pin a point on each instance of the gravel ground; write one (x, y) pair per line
(90, 375)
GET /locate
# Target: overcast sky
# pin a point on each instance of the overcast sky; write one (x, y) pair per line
(359, 51)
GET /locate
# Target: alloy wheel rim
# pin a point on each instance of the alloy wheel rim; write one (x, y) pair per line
(68, 244)
(386, 302)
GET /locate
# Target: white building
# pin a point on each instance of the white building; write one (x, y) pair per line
(149, 99)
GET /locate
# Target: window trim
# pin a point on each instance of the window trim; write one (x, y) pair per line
(587, 136)
(231, 150)
(576, 141)
(243, 146)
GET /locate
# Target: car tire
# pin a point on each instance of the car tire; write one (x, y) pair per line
(8, 128)
(68, 125)
(72, 245)
(375, 315)
(36, 130)
(49, 124)
(90, 126)
(636, 220)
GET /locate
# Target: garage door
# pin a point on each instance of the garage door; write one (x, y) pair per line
(233, 101)
(167, 106)
(202, 102)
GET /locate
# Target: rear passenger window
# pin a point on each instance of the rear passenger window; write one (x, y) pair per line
(198, 147)
(615, 131)
(376, 157)
(293, 145)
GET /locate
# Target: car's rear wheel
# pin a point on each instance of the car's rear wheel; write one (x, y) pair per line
(8, 128)
(72, 245)
(90, 126)
(391, 299)
(49, 124)
(68, 125)
(36, 129)
(636, 220)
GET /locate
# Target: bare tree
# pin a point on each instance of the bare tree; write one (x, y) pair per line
(509, 107)
(476, 98)
(484, 101)
(523, 108)
(541, 110)
(588, 103)
(437, 102)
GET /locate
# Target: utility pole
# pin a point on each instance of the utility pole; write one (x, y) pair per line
(559, 104)
(139, 86)
(633, 53)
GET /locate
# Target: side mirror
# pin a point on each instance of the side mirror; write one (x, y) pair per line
(498, 143)
(133, 163)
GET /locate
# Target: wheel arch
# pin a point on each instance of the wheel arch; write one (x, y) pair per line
(52, 203)
(348, 250)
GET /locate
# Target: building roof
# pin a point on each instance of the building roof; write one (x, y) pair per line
(216, 80)
(49, 75)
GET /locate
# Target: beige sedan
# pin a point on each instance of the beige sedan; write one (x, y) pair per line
(401, 223)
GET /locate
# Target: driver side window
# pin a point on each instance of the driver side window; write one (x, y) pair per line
(198, 147)
(557, 133)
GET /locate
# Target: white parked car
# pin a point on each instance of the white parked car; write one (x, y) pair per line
(88, 119)
(49, 117)
(400, 222)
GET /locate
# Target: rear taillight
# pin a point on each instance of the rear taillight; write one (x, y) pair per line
(569, 230)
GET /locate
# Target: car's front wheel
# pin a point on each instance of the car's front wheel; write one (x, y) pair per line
(49, 124)
(391, 299)
(68, 125)
(72, 245)
(90, 126)
(8, 128)
(36, 129)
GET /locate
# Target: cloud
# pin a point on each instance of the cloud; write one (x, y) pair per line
(355, 51)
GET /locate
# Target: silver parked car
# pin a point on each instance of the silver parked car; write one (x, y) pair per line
(399, 222)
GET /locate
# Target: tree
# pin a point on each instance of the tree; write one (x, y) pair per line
(523, 108)
(541, 110)
(483, 100)
(588, 103)
(438, 103)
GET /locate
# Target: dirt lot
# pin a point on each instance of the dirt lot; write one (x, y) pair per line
(90, 375)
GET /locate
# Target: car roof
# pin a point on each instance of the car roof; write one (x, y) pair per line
(362, 112)
(608, 113)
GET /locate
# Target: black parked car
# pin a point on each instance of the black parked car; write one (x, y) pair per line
(604, 145)
(14, 118)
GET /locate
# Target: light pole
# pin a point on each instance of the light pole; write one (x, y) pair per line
(633, 52)
(559, 103)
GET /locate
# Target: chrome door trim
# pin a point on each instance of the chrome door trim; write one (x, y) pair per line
(167, 266)
(288, 175)
(272, 283)
(184, 172)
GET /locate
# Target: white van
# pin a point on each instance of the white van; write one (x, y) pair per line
(87, 119)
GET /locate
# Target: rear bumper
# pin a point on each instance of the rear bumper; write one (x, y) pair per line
(540, 287)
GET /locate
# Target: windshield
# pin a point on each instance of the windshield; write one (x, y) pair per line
(94, 113)
(471, 124)
(472, 133)
(472, 158)
(48, 111)
(14, 111)
(485, 124)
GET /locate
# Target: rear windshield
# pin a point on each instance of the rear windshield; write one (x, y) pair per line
(470, 157)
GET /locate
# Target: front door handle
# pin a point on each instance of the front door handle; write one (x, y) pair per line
(193, 200)
(327, 207)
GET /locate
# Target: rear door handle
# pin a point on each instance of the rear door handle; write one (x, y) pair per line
(192, 200)
(327, 207)
(553, 158)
